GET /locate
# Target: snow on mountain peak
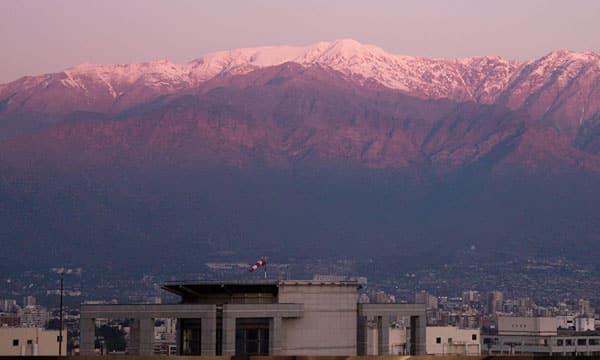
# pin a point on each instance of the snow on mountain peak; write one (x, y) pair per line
(480, 79)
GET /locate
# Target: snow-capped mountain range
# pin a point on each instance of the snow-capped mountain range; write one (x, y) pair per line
(335, 145)
(559, 94)
(481, 79)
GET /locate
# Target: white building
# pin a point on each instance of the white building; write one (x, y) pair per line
(566, 321)
(527, 326)
(450, 340)
(8, 305)
(538, 336)
(30, 341)
(34, 316)
(585, 323)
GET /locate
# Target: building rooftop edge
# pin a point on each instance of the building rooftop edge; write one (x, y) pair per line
(259, 282)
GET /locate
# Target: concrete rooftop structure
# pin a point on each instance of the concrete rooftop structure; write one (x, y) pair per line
(265, 317)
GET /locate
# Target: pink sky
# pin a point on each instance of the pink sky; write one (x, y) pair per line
(49, 36)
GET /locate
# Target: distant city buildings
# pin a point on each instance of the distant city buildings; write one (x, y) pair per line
(8, 305)
(9, 319)
(34, 316)
(495, 302)
(29, 301)
(471, 296)
(585, 308)
(423, 297)
(450, 305)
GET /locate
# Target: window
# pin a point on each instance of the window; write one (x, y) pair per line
(581, 341)
(15, 342)
(569, 342)
(594, 342)
(449, 340)
(29, 341)
(438, 340)
(191, 333)
(474, 337)
(252, 336)
(559, 342)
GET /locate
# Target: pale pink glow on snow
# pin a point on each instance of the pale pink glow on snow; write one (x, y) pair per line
(49, 36)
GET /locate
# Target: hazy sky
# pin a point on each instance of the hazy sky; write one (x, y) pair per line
(46, 36)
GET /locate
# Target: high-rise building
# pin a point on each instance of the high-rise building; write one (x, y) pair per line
(470, 296)
(585, 308)
(495, 301)
(423, 297)
(8, 305)
(29, 301)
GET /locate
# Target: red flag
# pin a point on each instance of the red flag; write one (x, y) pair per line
(260, 263)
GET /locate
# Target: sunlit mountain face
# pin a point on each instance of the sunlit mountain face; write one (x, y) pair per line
(336, 149)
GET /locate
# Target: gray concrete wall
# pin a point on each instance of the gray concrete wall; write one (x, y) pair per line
(328, 325)
(142, 329)
(274, 312)
(379, 315)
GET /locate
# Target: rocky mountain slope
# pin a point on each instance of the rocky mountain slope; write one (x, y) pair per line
(560, 90)
(336, 149)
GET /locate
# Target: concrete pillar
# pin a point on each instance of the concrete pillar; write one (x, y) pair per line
(133, 345)
(371, 330)
(275, 336)
(87, 330)
(228, 334)
(146, 336)
(420, 327)
(383, 331)
(178, 336)
(209, 336)
(421, 333)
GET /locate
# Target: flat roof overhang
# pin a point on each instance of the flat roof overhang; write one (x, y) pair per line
(199, 288)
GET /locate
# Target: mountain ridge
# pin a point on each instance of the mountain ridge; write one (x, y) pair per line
(455, 79)
(289, 114)
(559, 93)
(300, 159)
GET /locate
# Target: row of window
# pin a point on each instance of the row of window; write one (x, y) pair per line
(438, 340)
(16, 342)
(570, 342)
(520, 326)
(559, 342)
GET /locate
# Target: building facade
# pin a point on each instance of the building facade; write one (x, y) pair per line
(538, 336)
(450, 340)
(30, 341)
(265, 318)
